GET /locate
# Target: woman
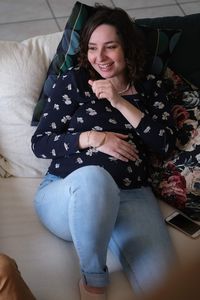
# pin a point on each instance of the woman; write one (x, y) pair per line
(101, 121)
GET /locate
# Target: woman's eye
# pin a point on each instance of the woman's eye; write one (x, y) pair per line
(112, 47)
(91, 49)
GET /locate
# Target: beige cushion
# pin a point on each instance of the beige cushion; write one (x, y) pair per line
(23, 68)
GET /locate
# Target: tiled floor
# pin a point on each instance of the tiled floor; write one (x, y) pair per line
(21, 19)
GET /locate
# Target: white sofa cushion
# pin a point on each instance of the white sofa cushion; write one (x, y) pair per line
(23, 68)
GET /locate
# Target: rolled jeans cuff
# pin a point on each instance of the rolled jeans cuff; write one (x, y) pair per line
(96, 279)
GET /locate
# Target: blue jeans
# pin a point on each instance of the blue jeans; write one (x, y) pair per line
(88, 208)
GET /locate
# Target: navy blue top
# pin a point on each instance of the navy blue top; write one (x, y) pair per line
(73, 108)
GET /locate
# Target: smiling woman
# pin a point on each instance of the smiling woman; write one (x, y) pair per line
(100, 123)
(113, 42)
(106, 56)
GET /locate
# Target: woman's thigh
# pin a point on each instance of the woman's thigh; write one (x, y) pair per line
(87, 199)
(52, 203)
(141, 239)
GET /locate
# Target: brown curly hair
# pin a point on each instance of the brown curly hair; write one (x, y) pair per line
(131, 38)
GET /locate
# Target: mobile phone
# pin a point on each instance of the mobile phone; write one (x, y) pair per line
(184, 224)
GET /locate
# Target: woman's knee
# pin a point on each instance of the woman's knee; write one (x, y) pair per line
(96, 178)
(93, 187)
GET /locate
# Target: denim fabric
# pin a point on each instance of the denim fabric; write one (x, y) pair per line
(89, 209)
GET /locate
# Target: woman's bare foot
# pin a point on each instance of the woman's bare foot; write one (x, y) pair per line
(91, 293)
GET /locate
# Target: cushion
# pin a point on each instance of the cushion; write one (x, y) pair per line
(23, 68)
(160, 44)
(66, 53)
(185, 57)
(182, 168)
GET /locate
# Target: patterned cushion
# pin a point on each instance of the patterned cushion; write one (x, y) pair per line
(160, 44)
(66, 54)
(182, 169)
(185, 58)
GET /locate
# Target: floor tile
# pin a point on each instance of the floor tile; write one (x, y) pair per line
(62, 22)
(24, 30)
(129, 4)
(191, 8)
(48, 16)
(187, 1)
(156, 12)
(23, 10)
(63, 8)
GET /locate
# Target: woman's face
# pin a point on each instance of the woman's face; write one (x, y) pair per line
(105, 52)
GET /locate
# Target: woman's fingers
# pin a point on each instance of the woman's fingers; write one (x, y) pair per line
(128, 151)
(125, 151)
(102, 88)
(116, 145)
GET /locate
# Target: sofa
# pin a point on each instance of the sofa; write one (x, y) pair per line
(48, 264)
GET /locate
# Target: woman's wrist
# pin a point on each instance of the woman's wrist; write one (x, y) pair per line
(130, 112)
(91, 139)
(96, 139)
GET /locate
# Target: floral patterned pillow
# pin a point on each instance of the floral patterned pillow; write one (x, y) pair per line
(177, 179)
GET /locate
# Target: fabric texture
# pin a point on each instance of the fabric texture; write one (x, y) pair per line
(23, 68)
(184, 60)
(182, 168)
(73, 108)
(160, 45)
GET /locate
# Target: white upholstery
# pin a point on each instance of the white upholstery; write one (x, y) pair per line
(48, 264)
(23, 68)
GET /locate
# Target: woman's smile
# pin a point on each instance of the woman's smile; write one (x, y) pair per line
(105, 67)
(105, 52)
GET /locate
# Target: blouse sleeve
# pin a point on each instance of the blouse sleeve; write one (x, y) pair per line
(52, 138)
(157, 128)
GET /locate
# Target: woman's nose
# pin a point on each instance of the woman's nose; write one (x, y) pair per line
(100, 55)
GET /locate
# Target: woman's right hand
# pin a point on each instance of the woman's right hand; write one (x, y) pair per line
(115, 145)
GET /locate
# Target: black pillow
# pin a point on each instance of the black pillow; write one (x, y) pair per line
(185, 59)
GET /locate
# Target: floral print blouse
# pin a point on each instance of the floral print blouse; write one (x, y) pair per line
(73, 108)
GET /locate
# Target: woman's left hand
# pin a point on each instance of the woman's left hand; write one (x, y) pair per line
(103, 88)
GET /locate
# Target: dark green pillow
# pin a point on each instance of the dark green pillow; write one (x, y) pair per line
(185, 59)
(66, 54)
(160, 43)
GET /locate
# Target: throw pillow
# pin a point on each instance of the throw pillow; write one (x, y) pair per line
(185, 58)
(160, 45)
(66, 53)
(23, 68)
(177, 179)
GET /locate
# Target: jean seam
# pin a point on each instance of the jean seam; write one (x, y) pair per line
(74, 203)
(121, 254)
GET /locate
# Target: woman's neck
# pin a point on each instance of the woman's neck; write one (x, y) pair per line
(122, 85)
